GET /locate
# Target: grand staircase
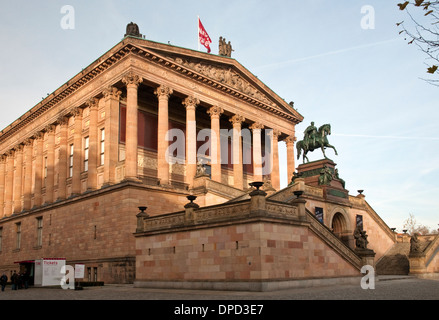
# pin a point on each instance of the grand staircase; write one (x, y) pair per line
(395, 261)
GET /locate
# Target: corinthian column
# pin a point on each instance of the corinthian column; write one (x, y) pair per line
(9, 183)
(238, 179)
(290, 156)
(18, 176)
(257, 151)
(111, 143)
(191, 104)
(38, 173)
(2, 184)
(163, 93)
(132, 81)
(275, 176)
(77, 152)
(27, 196)
(50, 165)
(63, 123)
(215, 142)
(92, 178)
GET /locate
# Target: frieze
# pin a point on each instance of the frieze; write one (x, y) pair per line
(164, 221)
(225, 76)
(278, 209)
(223, 212)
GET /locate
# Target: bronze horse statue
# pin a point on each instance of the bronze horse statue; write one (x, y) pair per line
(320, 140)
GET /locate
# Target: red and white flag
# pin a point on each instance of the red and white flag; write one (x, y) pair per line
(203, 37)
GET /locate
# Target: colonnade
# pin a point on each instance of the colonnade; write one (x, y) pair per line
(30, 170)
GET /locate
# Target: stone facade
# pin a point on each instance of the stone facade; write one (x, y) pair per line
(75, 168)
(254, 244)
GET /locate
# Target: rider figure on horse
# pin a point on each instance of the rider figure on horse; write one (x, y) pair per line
(310, 135)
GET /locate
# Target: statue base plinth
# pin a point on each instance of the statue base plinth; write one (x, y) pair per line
(367, 256)
(323, 174)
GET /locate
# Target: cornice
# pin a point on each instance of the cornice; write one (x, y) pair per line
(88, 74)
(183, 68)
(131, 46)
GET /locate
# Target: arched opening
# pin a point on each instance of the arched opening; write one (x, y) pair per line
(339, 228)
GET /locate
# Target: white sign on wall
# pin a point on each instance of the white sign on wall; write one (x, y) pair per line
(79, 271)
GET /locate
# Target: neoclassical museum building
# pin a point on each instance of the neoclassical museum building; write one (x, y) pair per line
(183, 135)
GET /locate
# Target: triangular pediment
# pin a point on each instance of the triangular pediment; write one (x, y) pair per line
(222, 72)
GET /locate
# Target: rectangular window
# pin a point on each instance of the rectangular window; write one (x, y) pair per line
(359, 221)
(39, 232)
(86, 148)
(89, 274)
(71, 161)
(95, 274)
(102, 150)
(18, 235)
(45, 167)
(1, 239)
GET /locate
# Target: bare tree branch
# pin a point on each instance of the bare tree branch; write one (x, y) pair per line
(423, 31)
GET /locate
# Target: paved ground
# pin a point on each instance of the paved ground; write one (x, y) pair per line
(398, 288)
(111, 300)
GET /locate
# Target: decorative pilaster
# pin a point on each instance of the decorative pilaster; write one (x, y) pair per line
(275, 175)
(257, 151)
(9, 183)
(2, 184)
(111, 144)
(92, 178)
(238, 171)
(163, 93)
(38, 173)
(18, 178)
(77, 152)
(27, 190)
(290, 156)
(50, 165)
(63, 123)
(132, 81)
(215, 142)
(191, 104)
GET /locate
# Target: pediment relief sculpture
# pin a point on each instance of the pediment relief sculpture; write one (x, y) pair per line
(225, 76)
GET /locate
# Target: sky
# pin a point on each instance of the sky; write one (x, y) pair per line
(342, 62)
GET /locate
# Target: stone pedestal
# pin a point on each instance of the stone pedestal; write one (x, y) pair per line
(323, 174)
(417, 263)
(367, 256)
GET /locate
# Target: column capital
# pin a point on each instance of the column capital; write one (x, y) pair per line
(50, 128)
(38, 136)
(18, 148)
(163, 92)
(112, 93)
(92, 103)
(62, 120)
(257, 126)
(76, 112)
(191, 102)
(132, 79)
(10, 153)
(237, 119)
(274, 133)
(290, 140)
(215, 111)
(28, 142)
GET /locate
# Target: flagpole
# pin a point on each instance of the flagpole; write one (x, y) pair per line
(198, 34)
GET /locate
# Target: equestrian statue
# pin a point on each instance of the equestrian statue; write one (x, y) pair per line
(314, 139)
